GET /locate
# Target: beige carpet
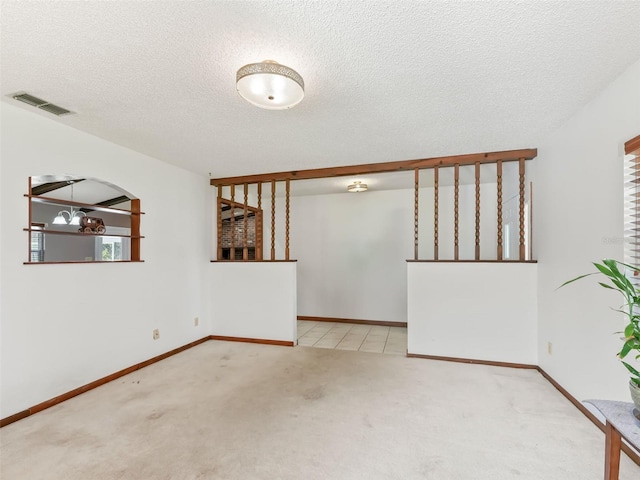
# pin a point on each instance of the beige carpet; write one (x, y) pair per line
(240, 411)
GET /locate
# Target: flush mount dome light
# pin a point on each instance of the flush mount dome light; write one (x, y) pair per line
(357, 186)
(270, 85)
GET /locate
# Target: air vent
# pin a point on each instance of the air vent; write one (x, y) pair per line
(41, 104)
(30, 99)
(56, 110)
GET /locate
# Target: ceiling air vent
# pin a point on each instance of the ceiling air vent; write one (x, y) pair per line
(41, 104)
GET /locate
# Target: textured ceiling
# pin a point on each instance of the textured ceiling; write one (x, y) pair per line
(384, 80)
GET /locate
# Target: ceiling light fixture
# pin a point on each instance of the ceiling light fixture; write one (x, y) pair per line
(270, 85)
(74, 215)
(357, 186)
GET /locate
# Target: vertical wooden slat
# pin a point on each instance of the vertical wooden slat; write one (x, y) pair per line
(259, 195)
(245, 237)
(273, 219)
(232, 247)
(135, 230)
(30, 192)
(521, 209)
(219, 231)
(456, 213)
(477, 210)
(530, 220)
(286, 223)
(259, 249)
(415, 213)
(435, 212)
(258, 219)
(499, 213)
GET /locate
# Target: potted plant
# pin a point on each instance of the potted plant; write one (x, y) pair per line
(614, 271)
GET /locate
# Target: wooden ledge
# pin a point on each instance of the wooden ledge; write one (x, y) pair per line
(252, 261)
(82, 262)
(472, 261)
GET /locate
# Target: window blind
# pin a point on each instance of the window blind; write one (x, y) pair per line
(632, 201)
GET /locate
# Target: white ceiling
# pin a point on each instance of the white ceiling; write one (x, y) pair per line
(384, 81)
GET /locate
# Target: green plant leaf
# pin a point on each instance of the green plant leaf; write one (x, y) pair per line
(616, 277)
(577, 278)
(632, 267)
(631, 369)
(626, 348)
(628, 331)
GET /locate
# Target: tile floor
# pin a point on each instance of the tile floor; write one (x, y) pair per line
(347, 336)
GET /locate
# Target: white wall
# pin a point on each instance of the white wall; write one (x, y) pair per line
(482, 311)
(254, 300)
(66, 325)
(351, 251)
(578, 219)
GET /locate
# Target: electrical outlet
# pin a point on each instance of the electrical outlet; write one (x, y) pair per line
(196, 321)
(156, 334)
(549, 348)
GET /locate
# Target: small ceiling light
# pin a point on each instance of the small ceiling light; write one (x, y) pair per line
(357, 186)
(270, 85)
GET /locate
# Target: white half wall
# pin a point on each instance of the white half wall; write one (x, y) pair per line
(578, 219)
(64, 326)
(481, 311)
(254, 300)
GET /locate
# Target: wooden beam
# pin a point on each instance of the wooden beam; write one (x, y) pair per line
(469, 159)
(108, 203)
(228, 204)
(50, 187)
